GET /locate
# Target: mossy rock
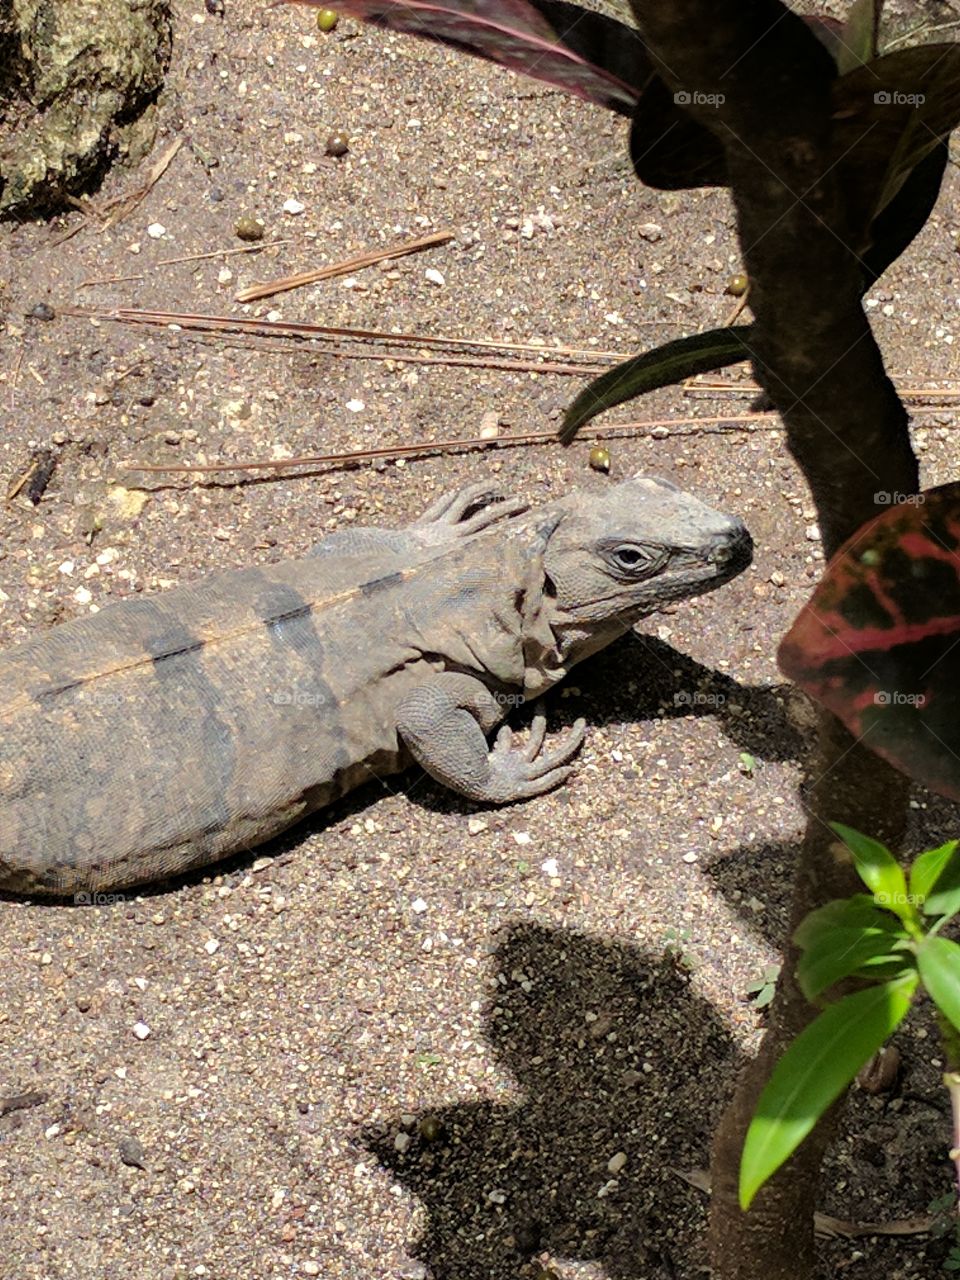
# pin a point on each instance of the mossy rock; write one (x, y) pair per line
(78, 80)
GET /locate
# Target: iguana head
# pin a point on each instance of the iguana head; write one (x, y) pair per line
(613, 557)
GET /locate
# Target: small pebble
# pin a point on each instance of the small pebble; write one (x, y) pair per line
(141, 1030)
(431, 1128)
(249, 229)
(418, 906)
(293, 206)
(434, 276)
(651, 231)
(338, 144)
(131, 1152)
(311, 1268)
(617, 1162)
(156, 231)
(41, 311)
(402, 1142)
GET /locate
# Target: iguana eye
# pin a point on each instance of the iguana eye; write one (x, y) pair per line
(632, 559)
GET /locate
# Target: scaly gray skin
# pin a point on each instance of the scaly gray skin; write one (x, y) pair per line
(167, 732)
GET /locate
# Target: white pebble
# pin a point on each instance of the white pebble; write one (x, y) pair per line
(690, 857)
(356, 406)
(156, 231)
(549, 868)
(522, 837)
(141, 1030)
(402, 1142)
(211, 946)
(434, 276)
(419, 906)
(293, 206)
(617, 1162)
(476, 825)
(812, 533)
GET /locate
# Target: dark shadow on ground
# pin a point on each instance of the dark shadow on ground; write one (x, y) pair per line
(615, 1053)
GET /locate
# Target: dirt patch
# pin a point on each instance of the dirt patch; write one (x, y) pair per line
(274, 1037)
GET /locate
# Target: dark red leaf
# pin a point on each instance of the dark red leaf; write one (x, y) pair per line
(878, 643)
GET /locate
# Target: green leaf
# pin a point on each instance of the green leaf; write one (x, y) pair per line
(842, 953)
(928, 866)
(662, 367)
(938, 960)
(857, 42)
(859, 911)
(943, 896)
(888, 116)
(814, 1072)
(878, 869)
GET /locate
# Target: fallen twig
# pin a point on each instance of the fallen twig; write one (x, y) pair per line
(743, 422)
(356, 263)
(124, 205)
(188, 257)
(303, 329)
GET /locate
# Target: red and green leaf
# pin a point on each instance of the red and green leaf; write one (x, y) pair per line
(587, 54)
(878, 643)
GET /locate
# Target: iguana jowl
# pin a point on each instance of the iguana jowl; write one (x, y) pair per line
(167, 732)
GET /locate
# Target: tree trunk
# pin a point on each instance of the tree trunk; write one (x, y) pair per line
(753, 74)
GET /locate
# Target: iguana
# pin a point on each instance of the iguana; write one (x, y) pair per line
(166, 732)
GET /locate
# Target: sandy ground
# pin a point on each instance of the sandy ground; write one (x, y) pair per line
(410, 1039)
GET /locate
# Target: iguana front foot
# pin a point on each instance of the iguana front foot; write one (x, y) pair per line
(443, 723)
(527, 772)
(447, 514)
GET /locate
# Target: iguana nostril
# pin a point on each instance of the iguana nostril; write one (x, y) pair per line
(733, 547)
